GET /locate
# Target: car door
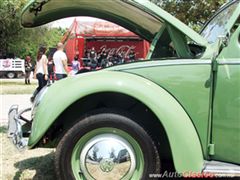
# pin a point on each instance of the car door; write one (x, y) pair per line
(226, 104)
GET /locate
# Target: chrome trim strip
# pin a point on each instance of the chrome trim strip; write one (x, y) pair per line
(230, 62)
(221, 169)
(183, 61)
(155, 63)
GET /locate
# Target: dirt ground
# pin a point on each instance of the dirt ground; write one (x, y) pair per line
(37, 164)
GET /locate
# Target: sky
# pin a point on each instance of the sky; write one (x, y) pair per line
(66, 22)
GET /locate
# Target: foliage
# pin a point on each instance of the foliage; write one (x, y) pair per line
(22, 41)
(29, 40)
(192, 12)
(9, 21)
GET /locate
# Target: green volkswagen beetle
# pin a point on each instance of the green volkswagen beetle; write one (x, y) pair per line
(178, 111)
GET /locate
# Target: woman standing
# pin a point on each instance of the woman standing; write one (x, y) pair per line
(75, 65)
(41, 70)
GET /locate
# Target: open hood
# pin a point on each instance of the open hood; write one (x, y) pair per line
(139, 16)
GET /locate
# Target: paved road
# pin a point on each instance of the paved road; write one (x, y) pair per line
(8, 100)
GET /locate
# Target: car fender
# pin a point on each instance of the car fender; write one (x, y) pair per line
(184, 141)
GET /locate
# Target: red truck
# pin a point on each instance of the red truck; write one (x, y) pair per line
(100, 34)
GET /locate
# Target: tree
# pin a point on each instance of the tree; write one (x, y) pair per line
(23, 41)
(112, 154)
(192, 12)
(95, 153)
(9, 21)
(29, 40)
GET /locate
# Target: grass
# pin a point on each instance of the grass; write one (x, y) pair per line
(37, 164)
(16, 86)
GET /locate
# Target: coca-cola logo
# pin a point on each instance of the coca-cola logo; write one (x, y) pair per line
(124, 50)
(6, 63)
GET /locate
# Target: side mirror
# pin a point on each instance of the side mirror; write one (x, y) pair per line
(224, 40)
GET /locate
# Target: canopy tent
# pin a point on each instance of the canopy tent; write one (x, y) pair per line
(96, 28)
(82, 35)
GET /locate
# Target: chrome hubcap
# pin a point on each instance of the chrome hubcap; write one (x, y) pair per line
(107, 156)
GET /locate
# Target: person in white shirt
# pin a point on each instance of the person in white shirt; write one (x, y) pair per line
(41, 71)
(60, 62)
(75, 65)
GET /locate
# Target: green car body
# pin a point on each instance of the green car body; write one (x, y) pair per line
(194, 94)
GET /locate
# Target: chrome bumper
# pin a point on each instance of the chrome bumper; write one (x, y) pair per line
(16, 122)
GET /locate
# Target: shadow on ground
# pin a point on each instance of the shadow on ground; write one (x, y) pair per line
(42, 167)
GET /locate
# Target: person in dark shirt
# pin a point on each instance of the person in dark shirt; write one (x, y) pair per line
(93, 58)
(120, 59)
(50, 65)
(93, 53)
(132, 56)
(104, 58)
(28, 69)
(115, 59)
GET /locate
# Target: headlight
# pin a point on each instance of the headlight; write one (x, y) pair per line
(38, 99)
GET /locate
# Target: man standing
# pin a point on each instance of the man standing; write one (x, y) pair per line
(60, 62)
(93, 58)
(28, 69)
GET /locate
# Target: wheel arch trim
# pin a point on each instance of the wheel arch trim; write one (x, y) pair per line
(184, 141)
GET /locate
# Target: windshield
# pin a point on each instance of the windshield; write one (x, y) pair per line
(217, 26)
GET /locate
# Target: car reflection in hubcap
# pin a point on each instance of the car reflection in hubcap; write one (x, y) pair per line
(107, 156)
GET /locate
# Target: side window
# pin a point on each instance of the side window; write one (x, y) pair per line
(164, 47)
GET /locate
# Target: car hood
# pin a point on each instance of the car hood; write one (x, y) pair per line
(139, 16)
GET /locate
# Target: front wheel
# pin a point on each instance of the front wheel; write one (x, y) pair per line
(106, 146)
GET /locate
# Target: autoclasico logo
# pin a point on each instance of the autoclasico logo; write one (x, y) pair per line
(167, 174)
(6, 63)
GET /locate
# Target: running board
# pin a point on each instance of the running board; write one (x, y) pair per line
(221, 169)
